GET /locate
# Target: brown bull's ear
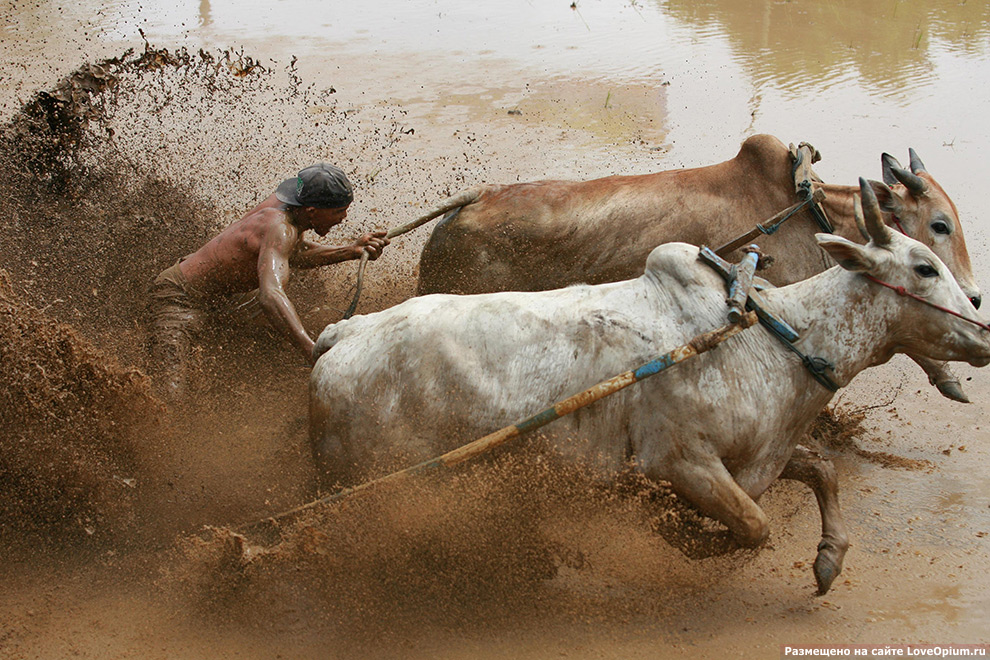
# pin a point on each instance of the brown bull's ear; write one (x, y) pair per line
(887, 163)
(887, 198)
(851, 256)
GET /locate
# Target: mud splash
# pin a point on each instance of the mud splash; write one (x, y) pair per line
(840, 428)
(84, 227)
(486, 550)
(71, 416)
(78, 205)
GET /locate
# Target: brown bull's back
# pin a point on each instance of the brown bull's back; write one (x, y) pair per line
(549, 234)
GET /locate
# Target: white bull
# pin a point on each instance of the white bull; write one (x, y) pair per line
(432, 373)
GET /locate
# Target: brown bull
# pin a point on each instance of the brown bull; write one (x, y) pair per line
(550, 234)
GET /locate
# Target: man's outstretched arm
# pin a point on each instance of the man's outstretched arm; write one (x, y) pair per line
(314, 255)
(273, 275)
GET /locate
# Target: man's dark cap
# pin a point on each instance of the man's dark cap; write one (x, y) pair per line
(322, 186)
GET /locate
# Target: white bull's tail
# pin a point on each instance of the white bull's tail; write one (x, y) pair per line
(462, 198)
(334, 333)
(337, 332)
(326, 340)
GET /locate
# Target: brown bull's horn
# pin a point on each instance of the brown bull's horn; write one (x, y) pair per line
(914, 183)
(916, 164)
(879, 232)
(887, 162)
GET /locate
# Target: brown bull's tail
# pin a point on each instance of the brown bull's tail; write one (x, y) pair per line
(462, 198)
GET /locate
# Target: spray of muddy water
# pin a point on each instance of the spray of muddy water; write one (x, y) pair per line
(495, 547)
(103, 192)
(70, 415)
(131, 163)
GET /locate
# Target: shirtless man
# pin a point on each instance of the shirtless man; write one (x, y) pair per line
(248, 264)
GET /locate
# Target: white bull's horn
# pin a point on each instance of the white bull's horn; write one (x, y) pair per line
(879, 231)
(858, 215)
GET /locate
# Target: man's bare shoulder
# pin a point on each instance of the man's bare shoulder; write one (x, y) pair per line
(264, 223)
(269, 212)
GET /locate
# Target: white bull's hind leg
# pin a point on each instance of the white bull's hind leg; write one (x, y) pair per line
(326, 437)
(819, 474)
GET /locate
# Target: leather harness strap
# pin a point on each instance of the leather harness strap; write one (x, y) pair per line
(818, 367)
(804, 156)
(804, 186)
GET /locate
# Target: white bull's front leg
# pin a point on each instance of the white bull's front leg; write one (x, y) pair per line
(819, 474)
(704, 482)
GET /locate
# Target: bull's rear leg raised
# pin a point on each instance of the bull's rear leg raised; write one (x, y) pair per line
(819, 474)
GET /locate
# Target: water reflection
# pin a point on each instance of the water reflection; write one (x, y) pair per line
(892, 46)
(734, 66)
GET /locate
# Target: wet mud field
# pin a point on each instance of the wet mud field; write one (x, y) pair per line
(124, 150)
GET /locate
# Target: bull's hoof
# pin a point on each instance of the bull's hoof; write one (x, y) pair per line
(828, 565)
(951, 389)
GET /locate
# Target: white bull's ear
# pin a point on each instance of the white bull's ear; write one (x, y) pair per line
(849, 255)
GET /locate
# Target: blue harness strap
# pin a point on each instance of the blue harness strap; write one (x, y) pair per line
(818, 367)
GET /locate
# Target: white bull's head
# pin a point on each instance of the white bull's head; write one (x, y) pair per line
(916, 328)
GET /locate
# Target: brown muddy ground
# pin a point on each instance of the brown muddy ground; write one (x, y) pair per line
(115, 547)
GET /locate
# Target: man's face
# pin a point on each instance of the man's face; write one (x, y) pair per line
(322, 220)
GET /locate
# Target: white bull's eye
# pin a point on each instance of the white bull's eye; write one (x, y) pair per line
(926, 271)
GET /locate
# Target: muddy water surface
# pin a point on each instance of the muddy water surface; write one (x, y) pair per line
(419, 99)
